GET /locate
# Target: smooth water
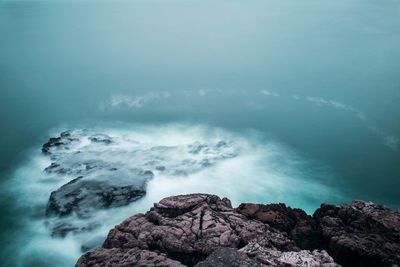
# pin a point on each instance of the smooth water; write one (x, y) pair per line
(308, 90)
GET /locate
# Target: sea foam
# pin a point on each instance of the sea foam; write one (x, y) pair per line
(241, 166)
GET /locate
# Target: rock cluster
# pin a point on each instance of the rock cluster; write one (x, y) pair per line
(101, 171)
(255, 255)
(92, 186)
(360, 234)
(97, 172)
(203, 230)
(294, 222)
(189, 228)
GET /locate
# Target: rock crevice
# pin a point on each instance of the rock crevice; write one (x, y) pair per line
(203, 230)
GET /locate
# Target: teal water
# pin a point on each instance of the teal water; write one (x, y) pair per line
(320, 80)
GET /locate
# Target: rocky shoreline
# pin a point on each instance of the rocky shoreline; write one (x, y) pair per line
(198, 229)
(204, 230)
(98, 172)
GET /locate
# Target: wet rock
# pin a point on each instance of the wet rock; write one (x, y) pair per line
(189, 228)
(64, 139)
(81, 152)
(56, 168)
(99, 184)
(228, 257)
(101, 171)
(83, 196)
(160, 168)
(61, 229)
(274, 257)
(203, 230)
(129, 257)
(258, 256)
(196, 148)
(51, 143)
(360, 234)
(295, 222)
(101, 138)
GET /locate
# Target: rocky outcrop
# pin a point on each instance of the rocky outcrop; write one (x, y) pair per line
(360, 234)
(82, 197)
(274, 257)
(224, 257)
(54, 143)
(203, 230)
(255, 255)
(189, 228)
(127, 257)
(295, 222)
(97, 184)
(100, 171)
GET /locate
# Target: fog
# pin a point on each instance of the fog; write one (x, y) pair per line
(316, 81)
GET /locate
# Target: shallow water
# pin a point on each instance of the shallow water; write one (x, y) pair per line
(309, 90)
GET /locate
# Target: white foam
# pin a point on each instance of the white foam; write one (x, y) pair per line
(258, 172)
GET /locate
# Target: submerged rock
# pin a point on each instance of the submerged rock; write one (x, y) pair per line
(203, 230)
(82, 197)
(102, 171)
(54, 143)
(101, 138)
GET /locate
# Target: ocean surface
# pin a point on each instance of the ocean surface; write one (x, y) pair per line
(306, 94)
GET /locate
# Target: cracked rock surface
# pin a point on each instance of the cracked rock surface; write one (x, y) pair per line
(204, 230)
(189, 228)
(294, 222)
(360, 234)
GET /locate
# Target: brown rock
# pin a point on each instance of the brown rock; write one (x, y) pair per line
(274, 257)
(229, 257)
(189, 228)
(132, 257)
(295, 222)
(204, 230)
(360, 234)
(254, 255)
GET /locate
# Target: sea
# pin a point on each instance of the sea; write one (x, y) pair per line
(306, 93)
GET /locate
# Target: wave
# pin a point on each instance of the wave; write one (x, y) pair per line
(160, 160)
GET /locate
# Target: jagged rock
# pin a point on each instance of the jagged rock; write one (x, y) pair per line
(62, 228)
(99, 184)
(104, 171)
(64, 139)
(203, 230)
(360, 234)
(274, 257)
(101, 138)
(129, 257)
(189, 228)
(82, 197)
(295, 222)
(254, 255)
(228, 257)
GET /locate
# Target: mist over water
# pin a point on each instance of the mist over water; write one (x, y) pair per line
(240, 167)
(306, 94)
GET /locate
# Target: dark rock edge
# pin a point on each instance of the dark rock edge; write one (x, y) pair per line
(197, 229)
